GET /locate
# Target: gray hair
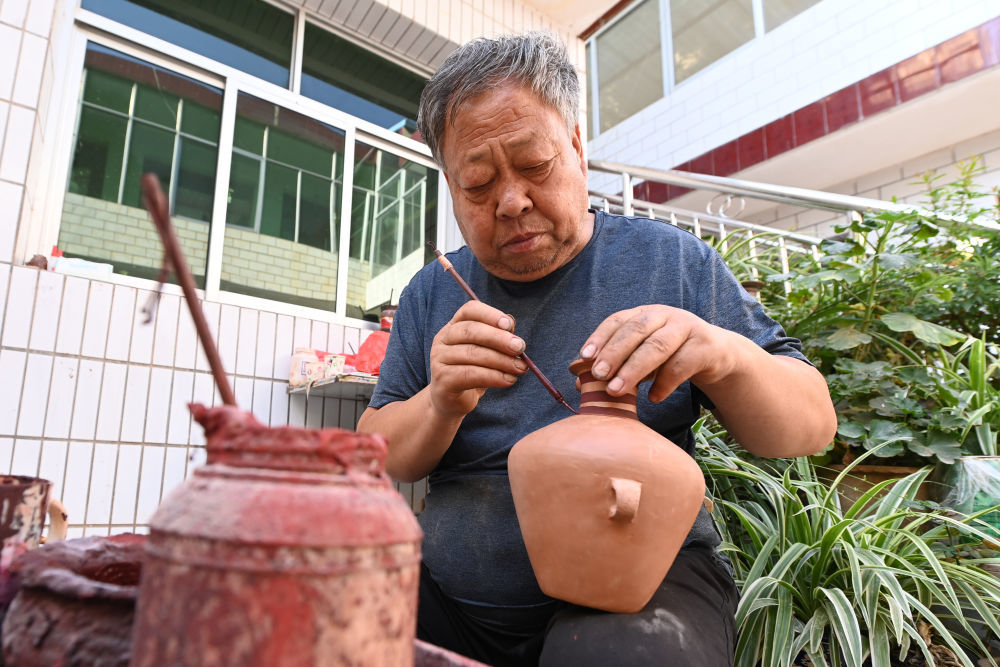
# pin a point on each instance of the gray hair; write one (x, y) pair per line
(535, 59)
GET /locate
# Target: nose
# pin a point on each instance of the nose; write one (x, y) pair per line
(512, 199)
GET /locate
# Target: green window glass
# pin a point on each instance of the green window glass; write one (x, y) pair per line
(133, 120)
(283, 217)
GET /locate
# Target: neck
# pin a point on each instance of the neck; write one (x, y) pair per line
(595, 399)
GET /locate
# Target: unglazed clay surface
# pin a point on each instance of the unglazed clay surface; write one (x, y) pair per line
(604, 503)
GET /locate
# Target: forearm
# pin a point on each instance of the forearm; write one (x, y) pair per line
(773, 405)
(418, 435)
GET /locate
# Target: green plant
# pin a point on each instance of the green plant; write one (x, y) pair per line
(876, 310)
(855, 585)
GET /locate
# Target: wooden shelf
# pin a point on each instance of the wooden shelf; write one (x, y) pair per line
(355, 387)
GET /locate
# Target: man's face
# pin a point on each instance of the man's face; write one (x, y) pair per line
(518, 180)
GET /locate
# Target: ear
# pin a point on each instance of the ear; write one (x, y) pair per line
(578, 147)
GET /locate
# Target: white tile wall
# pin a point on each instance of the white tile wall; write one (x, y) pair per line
(10, 204)
(17, 144)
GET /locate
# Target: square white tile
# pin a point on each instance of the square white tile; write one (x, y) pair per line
(12, 363)
(167, 315)
(65, 374)
(45, 324)
(126, 484)
(179, 426)
(73, 315)
(27, 454)
(109, 414)
(264, 365)
(95, 328)
(102, 481)
(158, 406)
(20, 305)
(246, 344)
(37, 376)
(149, 482)
(134, 411)
(120, 323)
(88, 398)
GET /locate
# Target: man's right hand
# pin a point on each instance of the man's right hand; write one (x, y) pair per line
(476, 350)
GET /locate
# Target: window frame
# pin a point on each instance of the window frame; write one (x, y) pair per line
(87, 26)
(666, 53)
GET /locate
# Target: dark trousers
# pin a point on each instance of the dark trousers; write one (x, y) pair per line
(690, 621)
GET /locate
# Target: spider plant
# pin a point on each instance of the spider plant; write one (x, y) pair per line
(855, 586)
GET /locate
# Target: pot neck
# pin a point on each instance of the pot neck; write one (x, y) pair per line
(595, 400)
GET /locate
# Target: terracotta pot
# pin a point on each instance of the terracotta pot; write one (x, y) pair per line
(75, 604)
(290, 547)
(604, 502)
(864, 476)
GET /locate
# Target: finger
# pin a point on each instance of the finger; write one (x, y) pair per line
(463, 355)
(659, 350)
(477, 311)
(603, 332)
(476, 332)
(629, 333)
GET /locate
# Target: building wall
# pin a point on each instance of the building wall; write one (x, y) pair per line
(90, 397)
(901, 182)
(830, 46)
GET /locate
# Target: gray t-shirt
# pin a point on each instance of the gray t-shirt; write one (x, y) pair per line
(472, 544)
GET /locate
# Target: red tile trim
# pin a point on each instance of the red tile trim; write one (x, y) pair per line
(961, 56)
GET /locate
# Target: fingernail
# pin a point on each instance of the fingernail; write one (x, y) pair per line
(516, 344)
(601, 370)
(616, 384)
(520, 365)
(504, 323)
(588, 351)
(511, 379)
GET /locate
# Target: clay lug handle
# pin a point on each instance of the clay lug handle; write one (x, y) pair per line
(626, 502)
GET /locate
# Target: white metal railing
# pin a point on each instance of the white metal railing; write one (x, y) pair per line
(747, 247)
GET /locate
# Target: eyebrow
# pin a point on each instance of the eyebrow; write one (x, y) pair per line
(515, 143)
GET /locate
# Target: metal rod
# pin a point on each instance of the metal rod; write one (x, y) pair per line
(524, 357)
(156, 203)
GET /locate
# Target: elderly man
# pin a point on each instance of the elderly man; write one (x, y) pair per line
(637, 296)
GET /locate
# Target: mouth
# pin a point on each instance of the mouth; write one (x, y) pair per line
(522, 242)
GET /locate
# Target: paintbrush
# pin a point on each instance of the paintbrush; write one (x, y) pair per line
(524, 357)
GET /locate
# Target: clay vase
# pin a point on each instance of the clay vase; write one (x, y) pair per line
(75, 604)
(603, 501)
(289, 547)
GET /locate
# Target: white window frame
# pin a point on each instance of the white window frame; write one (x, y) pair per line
(666, 53)
(88, 26)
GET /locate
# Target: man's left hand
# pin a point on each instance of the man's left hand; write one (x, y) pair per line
(669, 344)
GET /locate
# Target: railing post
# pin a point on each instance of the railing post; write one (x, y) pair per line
(783, 254)
(626, 193)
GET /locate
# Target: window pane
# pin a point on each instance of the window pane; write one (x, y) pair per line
(281, 191)
(195, 180)
(249, 35)
(316, 214)
(394, 208)
(97, 159)
(200, 121)
(777, 12)
(151, 149)
(359, 82)
(299, 153)
(156, 105)
(704, 33)
(108, 91)
(286, 251)
(629, 64)
(95, 226)
(243, 181)
(249, 136)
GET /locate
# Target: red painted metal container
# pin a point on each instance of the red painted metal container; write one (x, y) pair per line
(289, 547)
